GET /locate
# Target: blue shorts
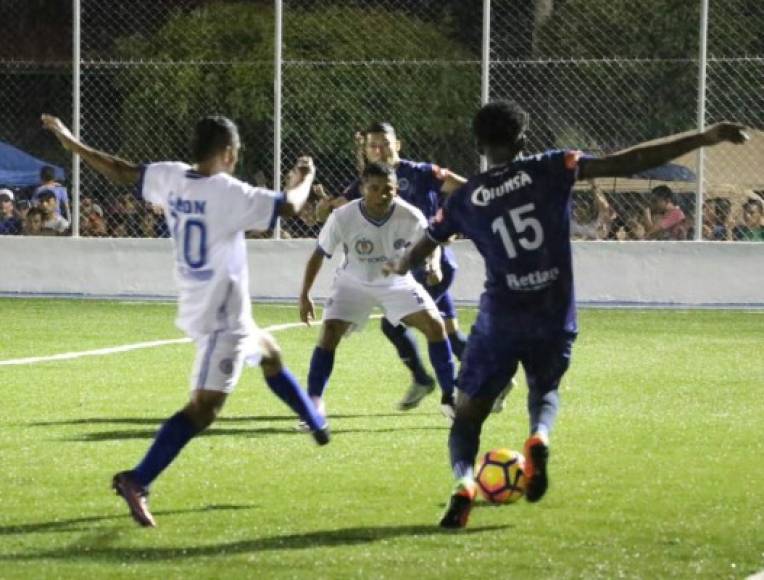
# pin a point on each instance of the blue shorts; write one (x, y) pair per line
(489, 362)
(440, 292)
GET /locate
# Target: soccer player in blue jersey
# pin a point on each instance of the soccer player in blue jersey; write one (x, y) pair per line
(208, 211)
(425, 186)
(518, 216)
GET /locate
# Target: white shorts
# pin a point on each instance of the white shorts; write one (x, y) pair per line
(353, 301)
(220, 357)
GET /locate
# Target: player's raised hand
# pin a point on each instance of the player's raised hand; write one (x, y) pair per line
(303, 168)
(359, 141)
(57, 127)
(307, 314)
(726, 131)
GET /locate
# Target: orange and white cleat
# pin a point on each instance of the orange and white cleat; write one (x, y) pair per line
(536, 451)
(135, 495)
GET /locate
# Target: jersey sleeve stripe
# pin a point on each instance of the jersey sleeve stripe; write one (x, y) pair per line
(278, 201)
(141, 179)
(320, 250)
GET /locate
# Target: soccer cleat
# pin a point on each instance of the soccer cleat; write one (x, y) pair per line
(303, 427)
(414, 396)
(536, 451)
(136, 497)
(501, 400)
(448, 407)
(459, 504)
(322, 435)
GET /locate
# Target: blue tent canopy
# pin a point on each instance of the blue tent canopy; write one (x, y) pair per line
(20, 169)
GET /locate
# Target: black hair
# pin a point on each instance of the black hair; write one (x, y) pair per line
(500, 123)
(211, 136)
(47, 173)
(45, 194)
(380, 127)
(751, 202)
(663, 192)
(377, 170)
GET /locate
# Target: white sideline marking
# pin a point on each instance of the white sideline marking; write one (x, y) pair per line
(122, 348)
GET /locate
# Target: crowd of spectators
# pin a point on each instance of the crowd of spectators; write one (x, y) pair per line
(660, 214)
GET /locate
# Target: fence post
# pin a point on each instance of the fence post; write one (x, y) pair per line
(277, 62)
(702, 63)
(485, 66)
(76, 16)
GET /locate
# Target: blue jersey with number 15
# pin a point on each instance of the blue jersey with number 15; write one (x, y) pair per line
(518, 216)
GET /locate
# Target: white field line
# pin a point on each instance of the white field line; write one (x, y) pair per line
(122, 348)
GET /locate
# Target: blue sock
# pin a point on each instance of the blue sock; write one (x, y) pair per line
(321, 365)
(405, 343)
(286, 388)
(463, 444)
(443, 362)
(458, 341)
(171, 438)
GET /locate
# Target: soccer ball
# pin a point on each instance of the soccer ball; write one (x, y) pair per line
(500, 477)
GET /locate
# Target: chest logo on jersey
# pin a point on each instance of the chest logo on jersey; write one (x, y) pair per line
(400, 243)
(364, 247)
(403, 184)
(483, 196)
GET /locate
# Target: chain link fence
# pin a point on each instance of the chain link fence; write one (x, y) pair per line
(599, 75)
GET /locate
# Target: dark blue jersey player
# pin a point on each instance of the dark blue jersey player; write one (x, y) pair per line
(517, 214)
(425, 186)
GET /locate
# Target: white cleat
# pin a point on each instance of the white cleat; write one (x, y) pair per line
(501, 401)
(414, 396)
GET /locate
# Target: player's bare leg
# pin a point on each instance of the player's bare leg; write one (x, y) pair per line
(322, 363)
(431, 325)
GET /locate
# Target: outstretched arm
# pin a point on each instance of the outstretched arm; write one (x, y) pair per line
(312, 269)
(298, 187)
(115, 169)
(641, 157)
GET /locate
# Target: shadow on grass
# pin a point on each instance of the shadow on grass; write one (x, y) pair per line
(324, 538)
(159, 420)
(125, 434)
(83, 524)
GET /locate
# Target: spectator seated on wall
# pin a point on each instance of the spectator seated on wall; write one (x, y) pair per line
(664, 219)
(49, 183)
(592, 215)
(751, 229)
(52, 223)
(10, 219)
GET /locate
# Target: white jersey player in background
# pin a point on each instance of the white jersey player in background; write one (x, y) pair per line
(208, 211)
(372, 231)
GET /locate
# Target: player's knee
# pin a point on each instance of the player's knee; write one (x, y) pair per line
(331, 334)
(434, 329)
(202, 413)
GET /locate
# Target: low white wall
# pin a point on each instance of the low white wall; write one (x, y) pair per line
(682, 273)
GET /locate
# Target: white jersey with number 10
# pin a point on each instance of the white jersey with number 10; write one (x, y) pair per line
(207, 217)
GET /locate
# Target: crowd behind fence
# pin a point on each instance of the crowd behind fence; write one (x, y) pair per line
(599, 75)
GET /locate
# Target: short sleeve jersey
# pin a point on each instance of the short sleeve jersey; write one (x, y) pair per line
(207, 217)
(420, 185)
(518, 217)
(368, 243)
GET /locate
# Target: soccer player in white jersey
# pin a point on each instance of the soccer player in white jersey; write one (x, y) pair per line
(208, 211)
(373, 229)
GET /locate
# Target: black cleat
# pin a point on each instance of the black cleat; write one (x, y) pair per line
(322, 436)
(459, 505)
(135, 495)
(536, 458)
